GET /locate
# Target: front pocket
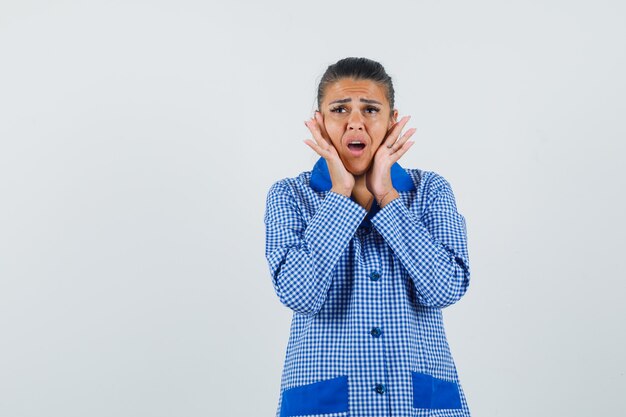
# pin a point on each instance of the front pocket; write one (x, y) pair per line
(322, 397)
(431, 392)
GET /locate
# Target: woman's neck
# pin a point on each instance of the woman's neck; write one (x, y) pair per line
(359, 182)
(360, 192)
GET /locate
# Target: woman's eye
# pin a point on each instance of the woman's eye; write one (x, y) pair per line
(372, 110)
(339, 109)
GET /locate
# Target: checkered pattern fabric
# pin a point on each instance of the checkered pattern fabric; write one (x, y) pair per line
(366, 290)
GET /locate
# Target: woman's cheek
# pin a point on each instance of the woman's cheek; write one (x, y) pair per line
(335, 139)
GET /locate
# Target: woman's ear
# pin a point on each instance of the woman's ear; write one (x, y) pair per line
(393, 118)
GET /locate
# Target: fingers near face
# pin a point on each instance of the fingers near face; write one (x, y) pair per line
(320, 122)
(396, 128)
(396, 155)
(393, 145)
(316, 132)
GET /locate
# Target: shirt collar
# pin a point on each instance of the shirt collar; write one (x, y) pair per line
(320, 177)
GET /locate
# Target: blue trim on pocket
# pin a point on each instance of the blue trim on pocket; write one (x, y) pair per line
(431, 392)
(322, 397)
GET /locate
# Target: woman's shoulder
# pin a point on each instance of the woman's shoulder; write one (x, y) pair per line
(294, 188)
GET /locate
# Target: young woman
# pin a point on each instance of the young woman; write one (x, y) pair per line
(366, 254)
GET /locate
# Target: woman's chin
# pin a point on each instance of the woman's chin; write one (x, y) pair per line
(358, 169)
(356, 165)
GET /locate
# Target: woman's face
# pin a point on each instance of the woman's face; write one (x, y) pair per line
(356, 111)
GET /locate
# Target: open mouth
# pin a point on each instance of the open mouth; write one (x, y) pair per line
(356, 146)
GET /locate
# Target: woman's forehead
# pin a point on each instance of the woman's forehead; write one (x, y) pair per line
(348, 87)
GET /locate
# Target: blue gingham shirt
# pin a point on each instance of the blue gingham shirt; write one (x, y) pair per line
(366, 290)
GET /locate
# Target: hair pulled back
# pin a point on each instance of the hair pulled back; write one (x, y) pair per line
(358, 69)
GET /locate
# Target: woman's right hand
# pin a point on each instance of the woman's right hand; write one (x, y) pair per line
(342, 179)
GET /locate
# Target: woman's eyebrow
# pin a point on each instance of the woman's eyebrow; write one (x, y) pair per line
(363, 100)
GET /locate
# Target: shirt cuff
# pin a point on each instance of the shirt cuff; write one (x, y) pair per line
(391, 223)
(334, 223)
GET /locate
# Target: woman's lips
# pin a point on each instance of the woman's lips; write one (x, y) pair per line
(356, 150)
(356, 146)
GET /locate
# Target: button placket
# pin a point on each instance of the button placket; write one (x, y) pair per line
(376, 332)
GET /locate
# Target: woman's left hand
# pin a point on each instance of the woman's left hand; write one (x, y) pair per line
(378, 177)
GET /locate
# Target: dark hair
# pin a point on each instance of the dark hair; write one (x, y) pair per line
(358, 69)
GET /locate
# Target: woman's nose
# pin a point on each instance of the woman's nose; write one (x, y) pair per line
(355, 122)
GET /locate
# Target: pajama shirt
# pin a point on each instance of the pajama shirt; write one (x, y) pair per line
(367, 289)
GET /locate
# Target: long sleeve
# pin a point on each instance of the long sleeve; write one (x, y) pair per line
(433, 249)
(302, 256)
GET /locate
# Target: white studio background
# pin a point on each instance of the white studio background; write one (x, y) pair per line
(138, 140)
